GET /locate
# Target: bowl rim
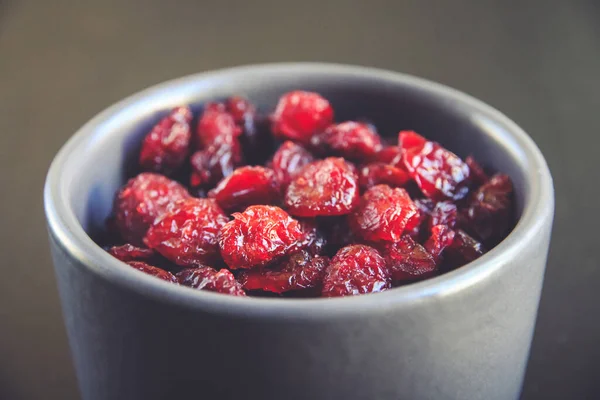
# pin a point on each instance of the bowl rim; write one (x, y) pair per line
(70, 236)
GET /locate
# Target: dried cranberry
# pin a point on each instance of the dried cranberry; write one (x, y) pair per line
(140, 201)
(258, 236)
(214, 163)
(326, 187)
(300, 271)
(444, 213)
(206, 278)
(240, 109)
(439, 173)
(167, 145)
(384, 214)
(154, 271)
(356, 269)
(288, 160)
(477, 174)
(312, 240)
(489, 213)
(408, 260)
(382, 174)
(247, 186)
(352, 140)
(216, 125)
(129, 252)
(441, 237)
(187, 233)
(299, 115)
(463, 250)
(391, 155)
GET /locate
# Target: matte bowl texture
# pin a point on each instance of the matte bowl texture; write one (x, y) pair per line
(462, 335)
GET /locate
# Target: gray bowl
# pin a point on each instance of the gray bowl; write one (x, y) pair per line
(462, 335)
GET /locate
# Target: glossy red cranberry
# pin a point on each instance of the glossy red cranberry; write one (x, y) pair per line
(391, 155)
(258, 236)
(441, 237)
(489, 212)
(215, 126)
(463, 250)
(313, 240)
(247, 186)
(356, 269)
(352, 140)
(323, 188)
(408, 260)
(140, 201)
(167, 145)
(288, 160)
(444, 213)
(300, 115)
(206, 278)
(439, 173)
(187, 233)
(382, 174)
(477, 174)
(240, 109)
(154, 271)
(298, 272)
(129, 252)
(384, 214)
(214, 163)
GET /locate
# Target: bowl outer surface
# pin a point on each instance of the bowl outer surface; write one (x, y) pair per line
(463, 335)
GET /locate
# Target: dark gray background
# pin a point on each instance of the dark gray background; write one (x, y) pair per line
(63, 61)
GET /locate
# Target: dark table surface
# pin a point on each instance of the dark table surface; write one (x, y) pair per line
(63, 61)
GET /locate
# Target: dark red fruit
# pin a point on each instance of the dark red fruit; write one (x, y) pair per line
(154, 271)
(323, 188)
(240, 109)
(477, 174)
(312, 240)
(216, 126)
(140, 201)
(356, 269)
(247, 186)
(441, 237)
(352, 140)
(382, 174)
(187, 233)
(167, 145)
(463, 250)
(300, 271)
(288, 161)
(489, 213)
(391, 155)
(439, 173)
(444, 213)
(214, 163)
(258, 236)
(129, 252)
(300, 115)
(408, 260)
(384, 214)
(206, 278)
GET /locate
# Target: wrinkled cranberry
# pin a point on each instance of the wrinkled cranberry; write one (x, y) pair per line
(391, 155)
(299, 115)
(313, 239)
(288, 160)
(129, 252)
(215, 126)
(300, 271)
(382, 174)
(258, 236)
(477, 174)
(187, 233)
(439, 173)
(140, 201)
(444, 213)
(247, 186)
(488, 214)
(214, 163)
(356, 269)
(326, 187)
(384, 214)
(167, 145)
(352, 140)
(206, 278)
(240, 109)
(441, 237)
(408, 260)
(154, 271)
(463, 250)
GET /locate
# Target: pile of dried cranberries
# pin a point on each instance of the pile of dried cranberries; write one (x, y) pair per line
(296, 205)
